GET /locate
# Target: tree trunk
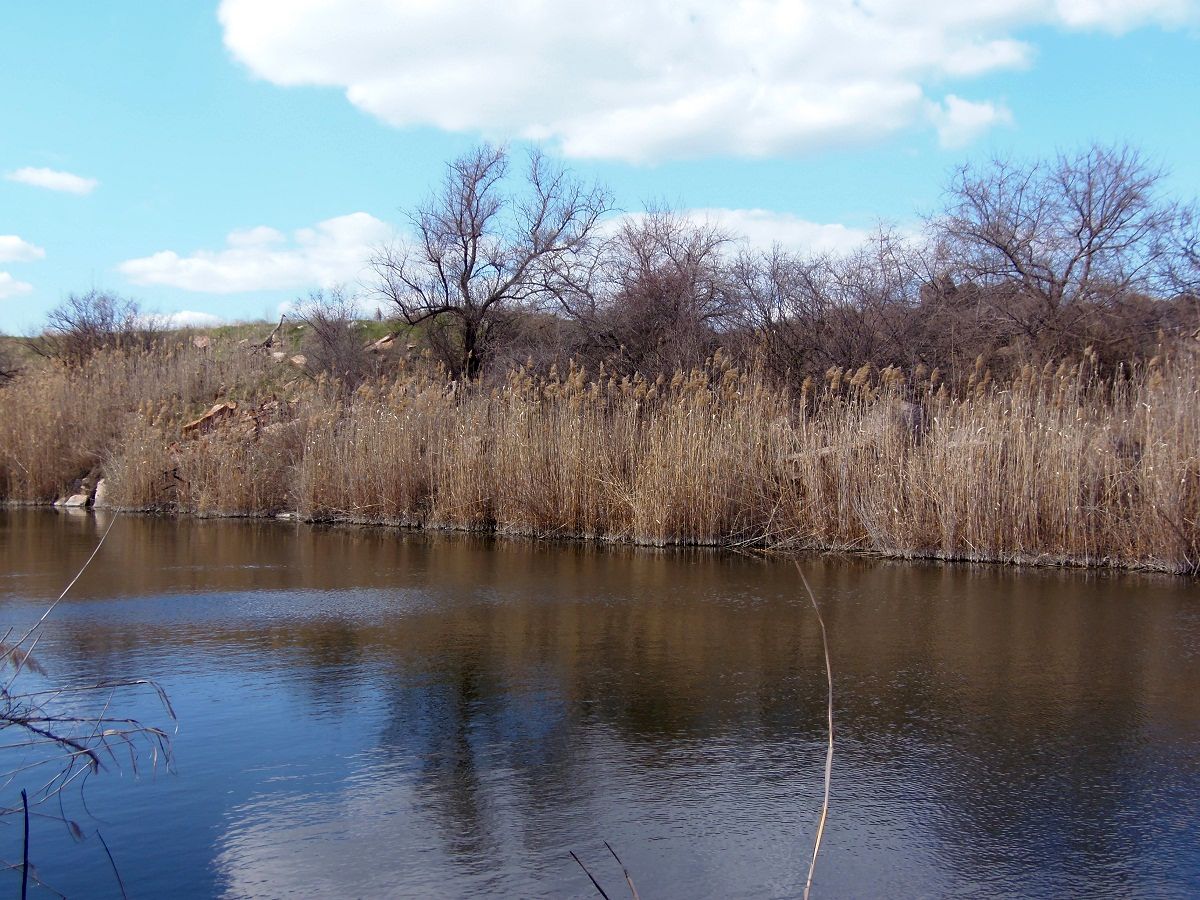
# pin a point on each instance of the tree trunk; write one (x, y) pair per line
(471, 363)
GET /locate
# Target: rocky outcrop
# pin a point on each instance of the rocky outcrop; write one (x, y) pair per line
(79, 494)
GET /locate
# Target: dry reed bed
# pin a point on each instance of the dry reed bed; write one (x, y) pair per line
(57, 423)
(1059, 466)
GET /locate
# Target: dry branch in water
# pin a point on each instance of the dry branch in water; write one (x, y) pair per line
(68, 731)
(633, 892)
(828, 769)
(812, 866)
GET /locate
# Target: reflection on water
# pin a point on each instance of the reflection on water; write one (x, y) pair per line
(371, 713)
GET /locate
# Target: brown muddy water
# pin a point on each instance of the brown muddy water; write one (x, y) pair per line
(370, 713)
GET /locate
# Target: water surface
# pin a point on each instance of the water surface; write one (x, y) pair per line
(373, 713)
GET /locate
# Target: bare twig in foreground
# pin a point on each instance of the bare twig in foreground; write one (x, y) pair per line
(52, 728)
(112, 862)
(628, 878)
(590, 875)
(25, 848)
(829, 753)
(12, 649)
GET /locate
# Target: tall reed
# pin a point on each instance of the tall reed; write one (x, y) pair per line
(1059, 466)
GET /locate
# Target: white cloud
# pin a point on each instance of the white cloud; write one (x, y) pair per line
(54, 180)
(762, 229)
(10, 287)
(1118, 16)
(189, 318)
(262, 258)
(644, 81)
(365, 306)
(262, 236)
(960, 121)
(15, 249)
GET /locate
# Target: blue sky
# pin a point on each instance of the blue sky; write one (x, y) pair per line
(304, 128)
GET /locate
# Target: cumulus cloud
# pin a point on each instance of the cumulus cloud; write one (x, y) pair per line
(10, 287)
(190, 318)
(643, 81)
(1118, 16)
(258, 259)
(960, 121)
(54, 180)
(364, 304)
(15, 249)
(763, 229)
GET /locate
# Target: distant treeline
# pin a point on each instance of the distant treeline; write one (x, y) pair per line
(1026, 262)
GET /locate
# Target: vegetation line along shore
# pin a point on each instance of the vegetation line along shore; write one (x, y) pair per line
(1021, 383)
(1058, 465)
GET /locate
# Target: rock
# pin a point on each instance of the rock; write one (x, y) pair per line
(75, 501)
(299, 360)
(100, 500)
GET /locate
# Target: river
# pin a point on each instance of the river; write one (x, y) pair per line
(373, 713)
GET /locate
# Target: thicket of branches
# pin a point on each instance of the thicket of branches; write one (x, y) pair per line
(1027, 261)
(84, 324)
(8, 365)
(54, 735)
(528, 266)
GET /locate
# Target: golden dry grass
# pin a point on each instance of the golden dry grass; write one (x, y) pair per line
(1059, 466)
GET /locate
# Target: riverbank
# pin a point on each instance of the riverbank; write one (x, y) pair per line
(765, 549)
(1059, 466)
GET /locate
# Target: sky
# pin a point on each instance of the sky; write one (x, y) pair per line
(219, 160)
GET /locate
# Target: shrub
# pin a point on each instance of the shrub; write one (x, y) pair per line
(84, 324)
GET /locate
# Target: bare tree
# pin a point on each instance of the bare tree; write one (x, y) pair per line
(85, 323)
(812, 312)
(876, 289)
(485, 249)
(1181, 255)
(8, 365)
(784, 306)
(657, 296)
(1051, 245)
(331, 344)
